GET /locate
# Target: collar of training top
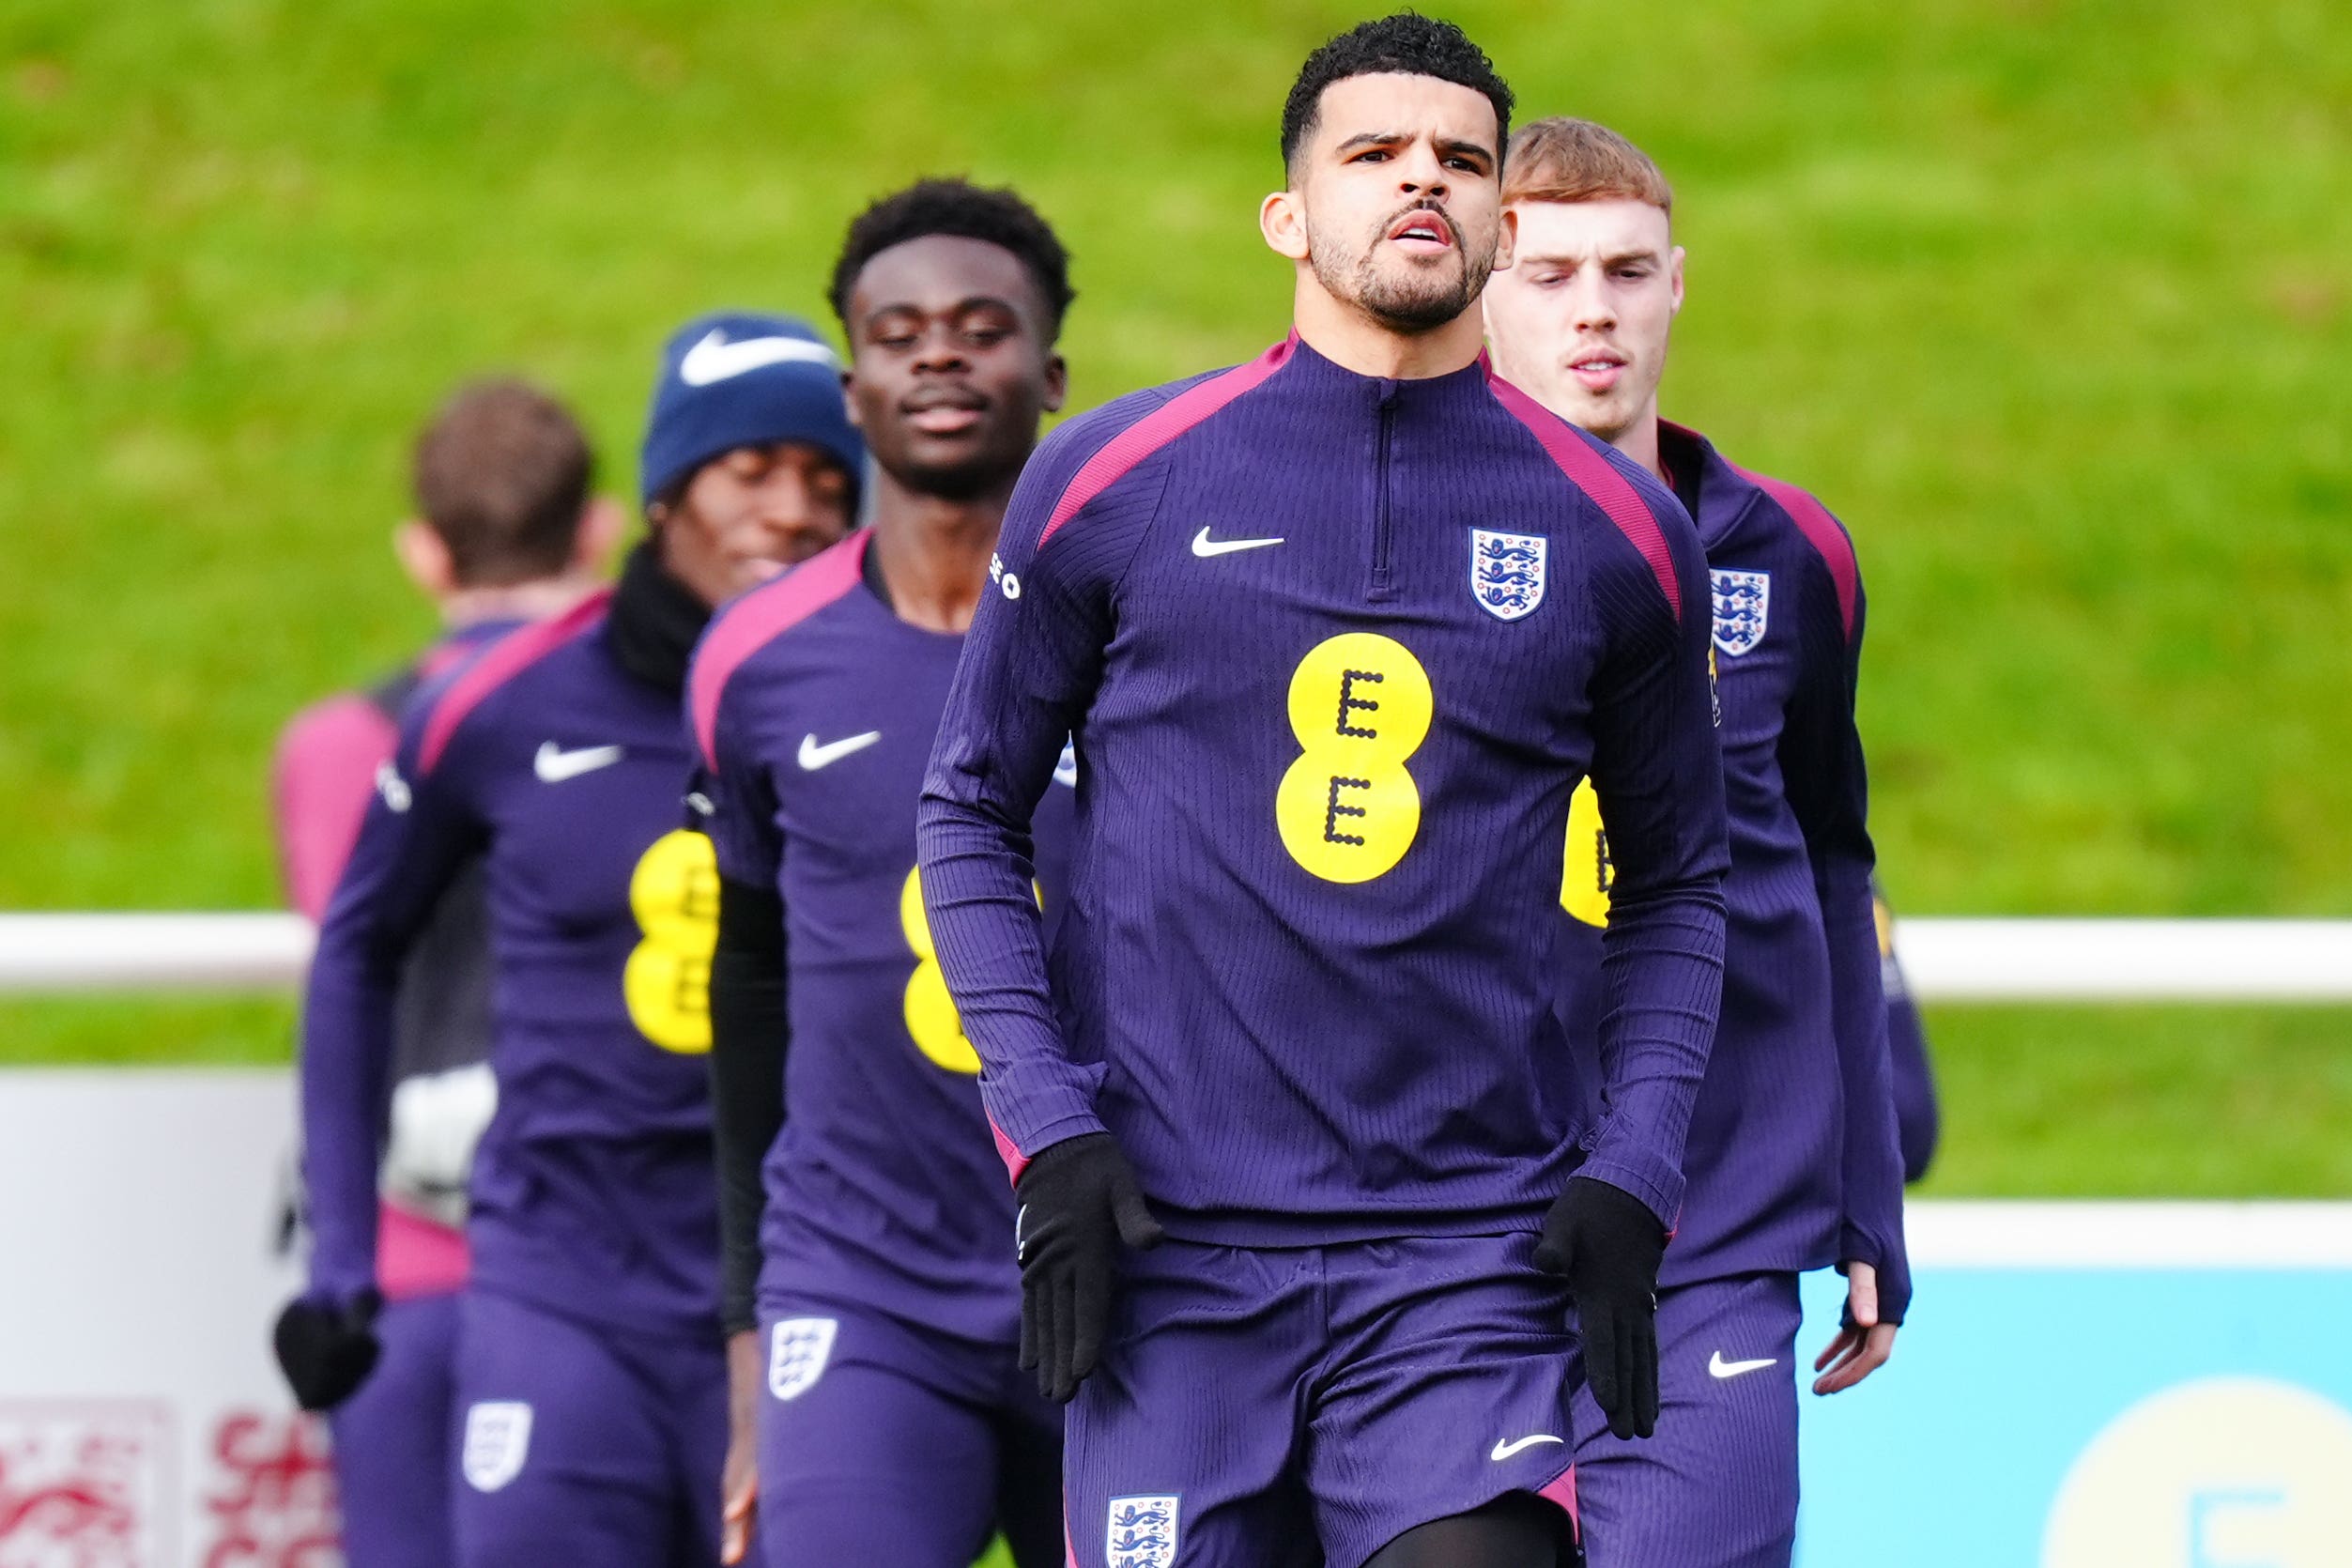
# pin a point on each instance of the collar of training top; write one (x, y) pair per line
(655, 620)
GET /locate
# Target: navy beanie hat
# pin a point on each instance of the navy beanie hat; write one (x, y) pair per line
(739, 379)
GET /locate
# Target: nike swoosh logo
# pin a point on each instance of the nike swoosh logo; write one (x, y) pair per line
(553, 764)
(1203, 546)
(1503, 1450)
(1718, 1367)
(813, 756)
(714, 358)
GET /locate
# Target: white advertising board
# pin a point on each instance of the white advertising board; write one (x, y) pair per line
(141, 1420)
(2080, 1386)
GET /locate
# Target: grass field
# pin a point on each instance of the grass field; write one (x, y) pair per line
(2049, 300)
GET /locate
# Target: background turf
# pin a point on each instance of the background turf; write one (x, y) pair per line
(2048, 299)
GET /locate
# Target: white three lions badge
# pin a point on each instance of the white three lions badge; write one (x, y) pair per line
(1741, 601)
(1140, 1532)
(1507, 571)
(797, 1354)
(497, 1440)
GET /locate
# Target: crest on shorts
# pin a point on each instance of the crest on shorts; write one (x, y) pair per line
(798, 1349)
(1140, 1531)
(497, 1440)
(1507, 571)
(1741, 601)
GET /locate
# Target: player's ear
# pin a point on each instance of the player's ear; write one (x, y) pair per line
(1507, 243)
(425, 559)
(602, 524)
(1282, 218)
(1056, 382)
(848, 398)
(1674, 271)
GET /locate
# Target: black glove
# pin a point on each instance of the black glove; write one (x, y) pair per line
(1078, 1202)
(326, 1348)
(1607, 1244)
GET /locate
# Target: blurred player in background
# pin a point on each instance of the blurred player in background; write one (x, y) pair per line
(590, 1368)
(1919, 1120)
(876, 1384)
(1337, 631)
(1793, 1159)
(507, 532)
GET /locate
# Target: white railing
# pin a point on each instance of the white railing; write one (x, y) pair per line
(1946, 960)
(2126, 960)
(152, 952)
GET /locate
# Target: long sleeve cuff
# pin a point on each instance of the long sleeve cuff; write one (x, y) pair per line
(1656, 1180)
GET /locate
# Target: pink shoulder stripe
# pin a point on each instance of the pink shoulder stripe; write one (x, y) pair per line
(505, 659)
(1822, 532)
(1592, 473)
(1155, 430)
(756, 618)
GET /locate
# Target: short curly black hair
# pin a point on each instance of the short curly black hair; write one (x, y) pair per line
(959, 207)
(1407, 42)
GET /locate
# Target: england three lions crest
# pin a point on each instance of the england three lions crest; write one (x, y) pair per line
(498, 1441)
(1743, 600)
(1140, 1532)
(1507, 571)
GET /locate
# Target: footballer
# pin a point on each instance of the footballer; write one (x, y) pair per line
(1792, 1161)
(591, 1371)
(872, 1292)
(1305, 1190)
(507, 532)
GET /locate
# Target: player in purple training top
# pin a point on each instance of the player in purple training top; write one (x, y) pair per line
(1337, 632)
(1792, 1161)
(590, 1370)
(874, 1363)
(507, 532)
(1918, 1120)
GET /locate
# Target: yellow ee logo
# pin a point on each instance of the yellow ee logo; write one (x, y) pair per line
(1585, 879)
(674, 895)
(1361, 705)
(931, 1021)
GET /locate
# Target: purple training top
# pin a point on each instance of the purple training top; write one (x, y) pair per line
(1793, 1159)
(1334, 650)
(592, 1192)
(815, 707)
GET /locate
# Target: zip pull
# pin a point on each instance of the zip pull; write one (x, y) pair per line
(1382, 542)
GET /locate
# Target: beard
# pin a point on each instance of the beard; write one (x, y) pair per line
(963, 480)
(1402, 296)
(958, 472)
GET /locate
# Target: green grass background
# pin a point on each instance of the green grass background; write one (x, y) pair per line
(2052, 300)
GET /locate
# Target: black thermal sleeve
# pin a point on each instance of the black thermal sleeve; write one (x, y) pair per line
(748, 1037)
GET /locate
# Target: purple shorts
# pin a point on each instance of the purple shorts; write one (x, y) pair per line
(883, 1442)
(392, 1459)
(1717, 1486)
(585, 1446)
(1261, 1405)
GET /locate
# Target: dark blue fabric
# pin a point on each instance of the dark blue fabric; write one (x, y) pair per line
(592, 1189)
(1269, 635)
(737, 378)
(1792, 1161)
(884, 1187)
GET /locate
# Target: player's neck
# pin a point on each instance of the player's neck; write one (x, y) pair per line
(934, 553)
(1639, 441)
(541, 600)
(1345, 335)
